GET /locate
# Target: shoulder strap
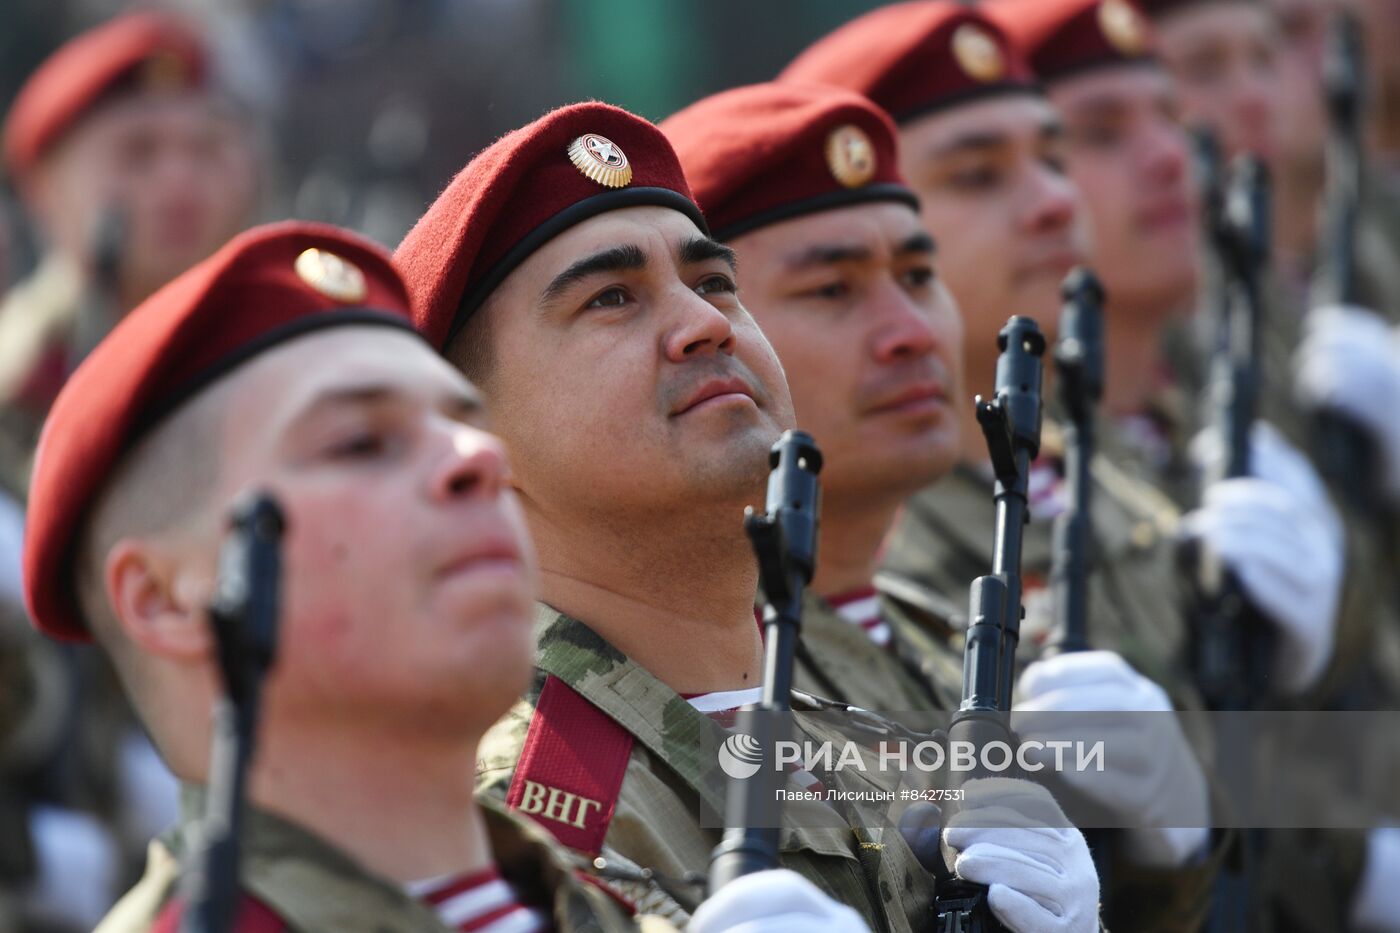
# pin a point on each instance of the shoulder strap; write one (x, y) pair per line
(571, 768)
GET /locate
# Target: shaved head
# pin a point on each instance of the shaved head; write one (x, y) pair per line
(160, 489)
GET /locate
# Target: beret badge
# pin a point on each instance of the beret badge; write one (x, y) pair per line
(331, 275)
(976, 52)
(1122, 25)
(850, 156)
(601, 160)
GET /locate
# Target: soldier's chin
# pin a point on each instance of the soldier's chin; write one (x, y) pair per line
(502, 604)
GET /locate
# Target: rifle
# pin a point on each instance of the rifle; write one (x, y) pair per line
(784, 540)
(101, 304)
(1231, 650)
(1079, 364)
(1011, 424)
(244, 616)
(1347, 455)
(1231, 644)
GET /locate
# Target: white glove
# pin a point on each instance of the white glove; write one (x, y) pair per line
(1011, 836)
(1288, 562)
(777, 901)
(1273, 458)
(1349, 361)
(1376, 908)
(1152, 777)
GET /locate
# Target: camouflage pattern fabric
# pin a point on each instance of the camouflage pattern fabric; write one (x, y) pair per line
(316, 888)
(672, 768)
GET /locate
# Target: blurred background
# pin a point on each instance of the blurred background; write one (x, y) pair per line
(357, 113)
(367, 107)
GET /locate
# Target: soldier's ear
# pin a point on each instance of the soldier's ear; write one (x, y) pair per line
(158, 597)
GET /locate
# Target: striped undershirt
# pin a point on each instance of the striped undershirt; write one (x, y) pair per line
(722, 707)
(862, 607)
(482, 902)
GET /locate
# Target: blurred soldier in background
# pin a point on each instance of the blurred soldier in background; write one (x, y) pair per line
(131, 166)
(839, 272)
(1253, 74)
(1277, 527)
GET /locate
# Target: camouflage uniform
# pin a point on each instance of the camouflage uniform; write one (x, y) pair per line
(312, 886)
(38, 320)
(942, 543)
(671, 769)
(1378, 249)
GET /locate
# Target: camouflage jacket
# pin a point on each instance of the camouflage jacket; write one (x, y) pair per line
(653, 846)
(310, 885)
(1137, 608)
(944, 540)
(38, 318)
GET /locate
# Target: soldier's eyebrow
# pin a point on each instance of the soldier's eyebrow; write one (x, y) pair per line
(460, 404)
(827, 254)
(1102, 107)
(970, 142)
(703, 249)
(917, 244)
(615, 259)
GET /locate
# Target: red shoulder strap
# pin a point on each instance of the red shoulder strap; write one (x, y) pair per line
(253, 917)
(570, 771)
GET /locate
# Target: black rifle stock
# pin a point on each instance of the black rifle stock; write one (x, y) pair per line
(1011, 424)
(1347, 455)
(1231, 646)
(244, 616)
(1232, 650)
(1079, 366)
(785, 542)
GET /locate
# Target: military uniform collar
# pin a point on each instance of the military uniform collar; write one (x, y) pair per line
(308, 882)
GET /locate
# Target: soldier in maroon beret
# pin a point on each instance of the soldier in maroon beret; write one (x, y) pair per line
(133, 165)
(1277, 527)
(803, 182)
(569, 272)
(287, 362)
(985, 151)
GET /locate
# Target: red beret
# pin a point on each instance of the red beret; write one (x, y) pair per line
(266, 286)
(764, 153)
(139, 50)
(525, 189)
(1064, 37)
(912, 58)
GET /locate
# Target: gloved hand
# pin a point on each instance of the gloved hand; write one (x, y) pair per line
(1289, 562)
(1376, 907)
(1011, 836)
(777, 901)
(1273, 458)
(1349, 361)
(1152, 776)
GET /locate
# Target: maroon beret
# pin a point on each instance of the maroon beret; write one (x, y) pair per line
(522, 191)
(139, 51)
(912, 58)
(1064, 37)
(266, 286)
(764, 153)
